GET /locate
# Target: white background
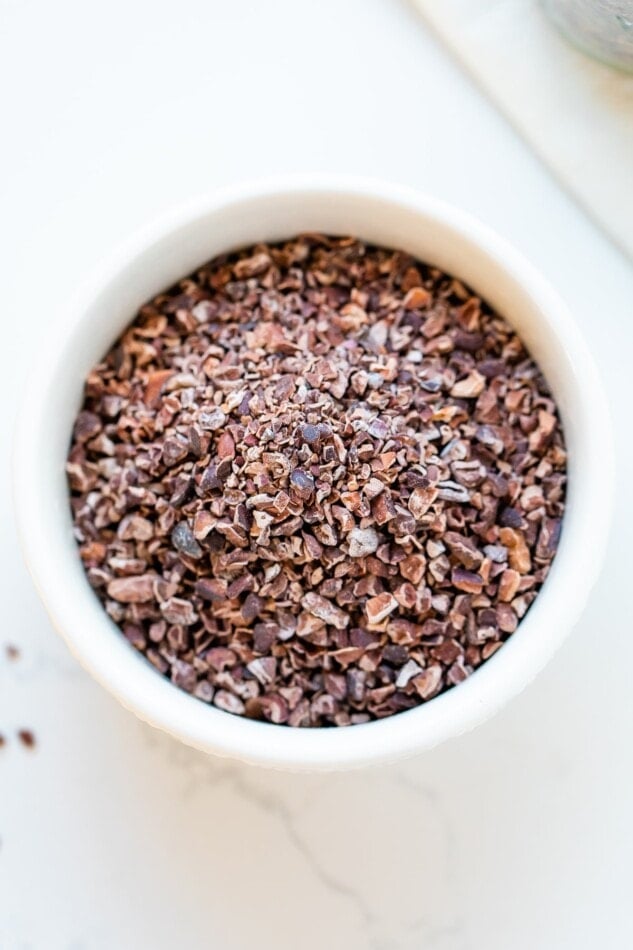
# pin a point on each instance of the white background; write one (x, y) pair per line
(113, 836)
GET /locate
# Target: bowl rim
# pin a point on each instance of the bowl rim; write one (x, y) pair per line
(153, 698)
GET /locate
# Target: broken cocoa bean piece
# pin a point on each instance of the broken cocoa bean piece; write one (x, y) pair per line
(407, 672)
(519, 556)
(548, 539)
(428, 683)
(264, 669)
(180, 611)
(225, 446)
(470, 387)
(87, 426)
(264, 635)
(416, 298)
(413, 567)
(325, 610)
(211, 589)
(252, 607)
(184, 675)
(252, 266)
(379, 607)
(137, 589)
(175, 449)
(397, 655)
(509, 585)
(229, 702)
(275, 709)
(511, 518)
(383, 508)
(302, 482)
(507, 619)
(467, 581)
(183, 539)
(421, 500)
(211, 419)
(464, 550)
(362, 542)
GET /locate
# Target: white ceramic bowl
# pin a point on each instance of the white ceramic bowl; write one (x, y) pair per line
(269, 211)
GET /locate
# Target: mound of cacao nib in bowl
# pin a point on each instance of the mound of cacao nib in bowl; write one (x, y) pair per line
(318, 482)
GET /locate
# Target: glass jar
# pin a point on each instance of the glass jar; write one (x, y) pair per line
(602, 28)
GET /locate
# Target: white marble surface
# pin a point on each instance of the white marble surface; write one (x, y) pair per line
(113, 837)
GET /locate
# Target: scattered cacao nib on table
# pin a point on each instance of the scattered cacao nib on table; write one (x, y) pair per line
(317, 483)
(27, 738)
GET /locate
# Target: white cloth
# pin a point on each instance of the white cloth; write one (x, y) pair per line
(576, 113)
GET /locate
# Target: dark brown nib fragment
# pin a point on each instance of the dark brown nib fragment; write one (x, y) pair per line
(27, 738)
(317, 483)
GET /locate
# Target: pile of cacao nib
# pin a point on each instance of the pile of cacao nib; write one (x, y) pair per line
(317, 483)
